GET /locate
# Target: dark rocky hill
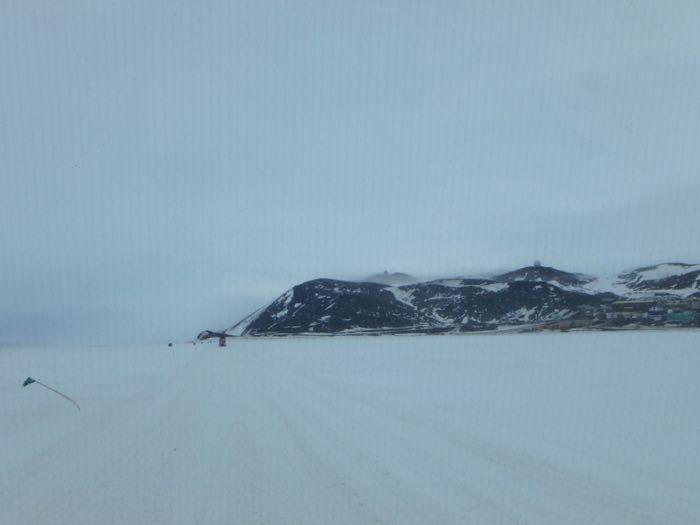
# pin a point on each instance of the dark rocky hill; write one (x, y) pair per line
(664, 277)
(545, 274)
(329, 306)
(533, 295)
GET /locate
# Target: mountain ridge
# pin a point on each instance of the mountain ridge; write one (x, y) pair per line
(532, 295)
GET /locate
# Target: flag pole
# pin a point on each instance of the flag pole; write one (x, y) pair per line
(29, 381)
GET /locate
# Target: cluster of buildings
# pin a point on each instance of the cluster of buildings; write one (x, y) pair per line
(655, 311)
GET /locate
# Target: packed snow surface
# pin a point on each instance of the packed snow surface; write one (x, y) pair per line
(538, 428)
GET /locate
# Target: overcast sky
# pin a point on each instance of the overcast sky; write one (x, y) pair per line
(171, 166)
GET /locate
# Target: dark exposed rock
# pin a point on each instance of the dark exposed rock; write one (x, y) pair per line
(328, 306)
(533, 295)
(687, 276)
(544, 273)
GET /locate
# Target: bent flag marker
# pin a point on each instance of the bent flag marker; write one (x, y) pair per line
(29, 381)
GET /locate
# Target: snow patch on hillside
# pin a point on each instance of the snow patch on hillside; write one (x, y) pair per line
(493, 287)
(664, 271)
(402, 296)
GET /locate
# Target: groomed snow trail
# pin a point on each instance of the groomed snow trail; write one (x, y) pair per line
(538, 428)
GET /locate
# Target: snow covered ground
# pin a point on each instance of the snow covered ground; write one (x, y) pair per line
(538, 428)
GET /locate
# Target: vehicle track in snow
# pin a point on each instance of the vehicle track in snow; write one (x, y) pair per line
(367, 430)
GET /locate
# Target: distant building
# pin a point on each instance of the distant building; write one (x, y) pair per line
(684, 318)
(568, 324)
(630, 310)
(208, 334)
(657, 314)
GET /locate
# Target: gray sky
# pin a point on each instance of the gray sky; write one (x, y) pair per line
(171, 166)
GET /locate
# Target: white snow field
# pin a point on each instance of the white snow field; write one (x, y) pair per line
(568, 428)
